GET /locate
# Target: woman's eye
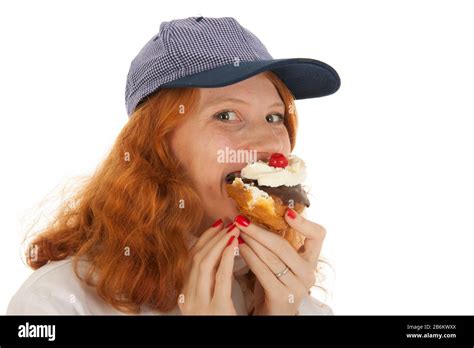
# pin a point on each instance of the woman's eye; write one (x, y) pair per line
(227, 116)
(275, 118)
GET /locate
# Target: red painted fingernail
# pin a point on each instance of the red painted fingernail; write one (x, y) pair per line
(230, 240)
(230, 223)
(291, 213)
(242, 220)
(231, 228)
(217, 223)
(241, 241)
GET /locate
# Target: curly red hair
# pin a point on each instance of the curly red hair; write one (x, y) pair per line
(126, 219)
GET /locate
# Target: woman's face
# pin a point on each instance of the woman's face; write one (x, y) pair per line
(244, 116)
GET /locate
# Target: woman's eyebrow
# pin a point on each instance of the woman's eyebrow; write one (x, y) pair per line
(215, 101)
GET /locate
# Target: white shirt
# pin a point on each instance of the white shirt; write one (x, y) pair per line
(54, 289)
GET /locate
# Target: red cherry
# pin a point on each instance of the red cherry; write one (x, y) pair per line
(278, 160)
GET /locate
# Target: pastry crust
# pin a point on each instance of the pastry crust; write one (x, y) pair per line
(267, 211)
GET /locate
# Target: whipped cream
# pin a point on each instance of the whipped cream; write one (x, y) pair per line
(256, 193)
(294, 174)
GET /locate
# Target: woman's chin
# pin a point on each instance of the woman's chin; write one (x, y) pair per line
(230, 213)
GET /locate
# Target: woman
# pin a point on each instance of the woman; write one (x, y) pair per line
(152, 231)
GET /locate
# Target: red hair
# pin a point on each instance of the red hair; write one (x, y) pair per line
(126, 219)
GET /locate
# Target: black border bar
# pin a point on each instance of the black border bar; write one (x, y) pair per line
(205, 330)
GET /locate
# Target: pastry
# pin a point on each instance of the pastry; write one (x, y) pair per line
(264, 190)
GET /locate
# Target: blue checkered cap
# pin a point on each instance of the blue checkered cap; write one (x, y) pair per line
(188, 46)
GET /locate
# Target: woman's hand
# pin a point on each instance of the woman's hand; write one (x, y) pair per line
(208, 287)
(268, 254)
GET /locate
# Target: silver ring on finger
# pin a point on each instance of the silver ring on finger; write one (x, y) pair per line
(279, 274)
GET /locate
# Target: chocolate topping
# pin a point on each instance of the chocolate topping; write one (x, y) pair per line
(285, 193)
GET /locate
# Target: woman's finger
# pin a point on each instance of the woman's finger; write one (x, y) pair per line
(313, 232)
(207, 235)
(209, 261)
(272, 241)
(223, 282)
(267, 279)
(275, 264)
(214, 240)
(213, 234)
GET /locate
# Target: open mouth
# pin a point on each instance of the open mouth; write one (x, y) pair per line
(229, 178)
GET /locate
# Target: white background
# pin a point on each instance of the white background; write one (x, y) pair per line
(390, 155)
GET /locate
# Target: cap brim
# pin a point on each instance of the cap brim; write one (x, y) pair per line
(306, 78)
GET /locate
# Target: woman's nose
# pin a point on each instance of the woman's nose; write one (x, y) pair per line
(266, 140)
